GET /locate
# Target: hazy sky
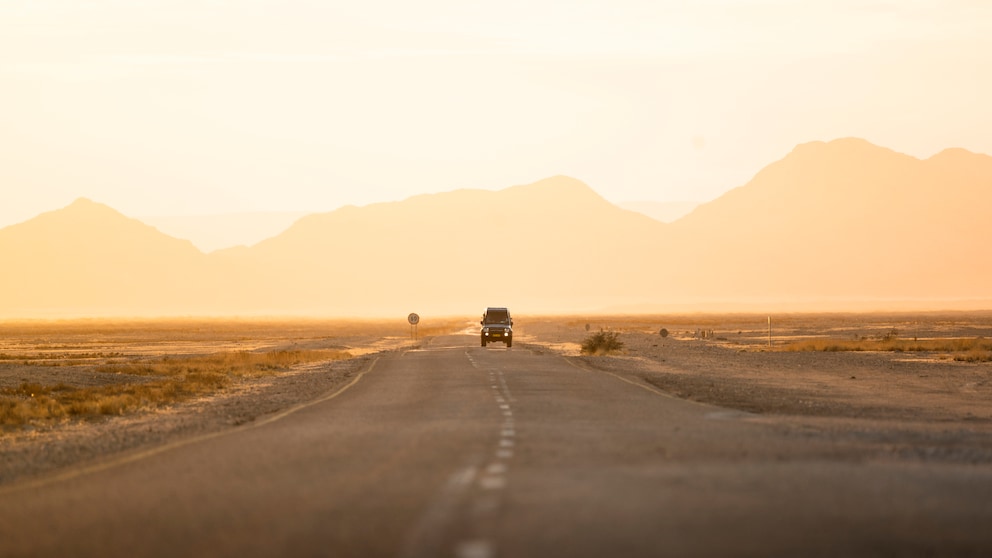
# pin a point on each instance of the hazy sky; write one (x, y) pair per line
(171, 107)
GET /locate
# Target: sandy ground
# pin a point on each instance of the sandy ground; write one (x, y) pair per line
(881, 404)
(737, 369)
(70, 354)
(921, 406)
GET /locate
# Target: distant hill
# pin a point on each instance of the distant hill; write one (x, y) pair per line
(845, 219)
(89, 259)
(830, 226)
(551, 244)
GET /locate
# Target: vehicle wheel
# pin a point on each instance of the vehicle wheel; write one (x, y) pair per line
(483, 342)
(509, 343)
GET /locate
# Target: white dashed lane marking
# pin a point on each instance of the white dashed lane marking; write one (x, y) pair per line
(426, 537)
(494, 478)
(475, 549)
(492, 482)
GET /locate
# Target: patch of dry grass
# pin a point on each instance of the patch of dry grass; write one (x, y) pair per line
(204, 356)
(231, 363)
(46, 336)
(977, 354)
(170, 380)
(970, 350)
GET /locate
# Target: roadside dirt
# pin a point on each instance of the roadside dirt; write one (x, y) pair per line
(900, 405)
(52, 354)
(33, 452)
(886, 405)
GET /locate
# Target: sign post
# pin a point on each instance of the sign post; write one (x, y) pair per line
(414, 320)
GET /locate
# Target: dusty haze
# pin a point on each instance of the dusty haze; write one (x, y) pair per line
(838, 225)
(178, 108)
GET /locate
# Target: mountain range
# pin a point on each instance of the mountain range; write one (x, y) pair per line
(832, 225)
(217, 231)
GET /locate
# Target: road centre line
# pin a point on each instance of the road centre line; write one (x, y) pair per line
(426, 537)
(474, 549)
(495, 482)
(496, 468)
(493, 479)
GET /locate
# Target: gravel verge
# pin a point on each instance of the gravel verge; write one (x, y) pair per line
(34, 453)
(906, 407)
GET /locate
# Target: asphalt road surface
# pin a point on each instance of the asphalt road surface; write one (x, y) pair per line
(455, 450)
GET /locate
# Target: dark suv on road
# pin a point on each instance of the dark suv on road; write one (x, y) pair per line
(497, 325)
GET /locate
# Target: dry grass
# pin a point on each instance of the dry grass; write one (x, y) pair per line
(52, 335)
(54, 371)
(234, 363)
(170, 380)
(969, 350)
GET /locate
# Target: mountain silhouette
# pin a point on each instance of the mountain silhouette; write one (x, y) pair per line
(845, 219)
(830, 225)
(88, 258)
(453, 250)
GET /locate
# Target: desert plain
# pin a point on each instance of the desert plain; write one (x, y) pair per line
(863, 387)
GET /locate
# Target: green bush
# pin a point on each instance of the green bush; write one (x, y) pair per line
(601, 343)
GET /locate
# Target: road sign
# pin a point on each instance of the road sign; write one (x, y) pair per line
(413, 319)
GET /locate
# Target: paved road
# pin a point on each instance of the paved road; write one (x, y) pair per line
(461, 451)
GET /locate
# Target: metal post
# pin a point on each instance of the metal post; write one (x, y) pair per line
(414, 321)
(769, 332)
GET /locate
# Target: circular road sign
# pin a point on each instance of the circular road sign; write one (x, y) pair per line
(413, 319)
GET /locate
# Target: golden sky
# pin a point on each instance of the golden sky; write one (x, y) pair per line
(177, 107)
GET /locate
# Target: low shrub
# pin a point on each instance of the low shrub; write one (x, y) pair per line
(601, 343)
